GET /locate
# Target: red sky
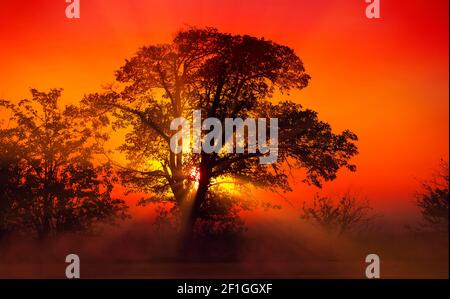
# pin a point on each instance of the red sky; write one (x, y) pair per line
(385, 79)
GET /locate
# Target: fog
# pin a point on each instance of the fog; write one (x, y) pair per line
(276, 244)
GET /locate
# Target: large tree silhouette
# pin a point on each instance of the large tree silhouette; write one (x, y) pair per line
(225, 76)
(49, 183)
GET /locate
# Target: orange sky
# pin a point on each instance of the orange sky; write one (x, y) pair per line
(385, 79)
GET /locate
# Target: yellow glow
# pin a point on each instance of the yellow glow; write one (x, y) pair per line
(227, 184)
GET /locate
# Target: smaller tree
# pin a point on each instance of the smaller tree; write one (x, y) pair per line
(50, 181)
(342, 215)
(433, 201)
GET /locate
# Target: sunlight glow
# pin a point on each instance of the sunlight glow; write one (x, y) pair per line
(226, 184)
(195, 176)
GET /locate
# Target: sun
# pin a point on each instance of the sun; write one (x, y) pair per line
(195, 176)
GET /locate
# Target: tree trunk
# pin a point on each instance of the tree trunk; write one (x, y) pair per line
(191, 213)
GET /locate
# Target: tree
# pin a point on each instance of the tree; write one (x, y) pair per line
(224, 76)
(341, 216)
(433, 201)
(10, 185)
(50, 183)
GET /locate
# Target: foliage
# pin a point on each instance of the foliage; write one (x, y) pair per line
(343, 215)
(433, 201)
(49, 181)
